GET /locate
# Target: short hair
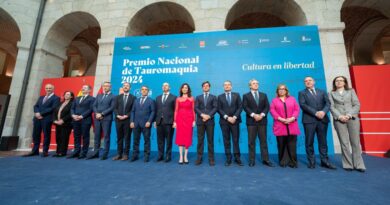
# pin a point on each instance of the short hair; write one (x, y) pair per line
(88, 86)
(251, 80)
(181, 88)
(206, 82)
(278, 87)
(308, 77)
(144, 86)
(166, 83)
(227, 81)
(107, 82)
(49, 84)
(346, 86)
(127, 83)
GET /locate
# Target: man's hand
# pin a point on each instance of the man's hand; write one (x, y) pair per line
(320, 114)
(147, 124)
(132, 125)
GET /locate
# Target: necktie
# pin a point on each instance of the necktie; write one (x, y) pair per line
(206, 96)
(104, 96)
(142, 100)
(81, 99)
(257, 97)
(164, 98)
(44, 99)
(313, 92)
(229, 100)
(124, 101)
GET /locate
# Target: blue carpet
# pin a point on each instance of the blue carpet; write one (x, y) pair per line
(37, 180)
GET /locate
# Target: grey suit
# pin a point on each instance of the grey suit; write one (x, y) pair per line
(347, 103)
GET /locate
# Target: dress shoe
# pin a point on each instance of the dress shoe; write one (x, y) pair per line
(45, 154)
(211, 162)
(134, 158)
(160, 158)
(55, 155)
(348, 169)
(82, 156)
(61, 155)
(104, 157)
(118, 157)
(181, 163)
(146, 159)
(251, 163)
(31, 154)
(198, 162)
(93, 157)
(293, 165)
(311, 166)
(228, 162)
(268, 163)
(238, 162)
(361, 170)
(328, 165)
(125, 158)
(74, 155)
(168, 159)
(186, 162)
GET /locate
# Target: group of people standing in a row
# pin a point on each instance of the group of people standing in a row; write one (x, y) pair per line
(168, 113)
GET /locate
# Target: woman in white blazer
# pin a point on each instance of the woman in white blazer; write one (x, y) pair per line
(345, 108)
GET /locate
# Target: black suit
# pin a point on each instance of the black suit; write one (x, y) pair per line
(164, 119)
(81, 128)
(310, 104)
(209, 108)
(63, 131)
(225, 110)
(123, 107)
(256, 129)
(46, 110)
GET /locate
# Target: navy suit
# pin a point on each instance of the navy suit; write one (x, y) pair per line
(46, 110)
(82, 127)
(209, 108)
(256, 128)
(310, 104)
(225, 110)
(164, 119)
(140, 115)
(105, 106)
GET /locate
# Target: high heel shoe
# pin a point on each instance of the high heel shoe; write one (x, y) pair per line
(181, 162)
(186, 162)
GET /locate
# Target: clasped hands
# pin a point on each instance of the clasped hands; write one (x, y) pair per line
(286, 120)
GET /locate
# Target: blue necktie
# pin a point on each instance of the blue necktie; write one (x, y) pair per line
(229, 99)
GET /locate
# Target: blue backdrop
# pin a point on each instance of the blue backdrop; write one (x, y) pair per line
(270, 55)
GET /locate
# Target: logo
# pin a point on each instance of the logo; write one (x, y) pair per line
(305, 39)
(202, 44)
(144, 47)
(222, 43)
(182, 45)
(264, 40)
(163, 46)
(126, 48)
(243, 41)
(285, 40)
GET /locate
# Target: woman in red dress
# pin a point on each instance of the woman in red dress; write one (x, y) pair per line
(184, 121)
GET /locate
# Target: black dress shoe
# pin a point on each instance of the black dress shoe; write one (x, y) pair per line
(348, 169)
(228, 162)
(74, 155)
(45, 154)
(146, 159)
(293, 165)
(251, 163)
(268, 163)
(104, 157)
(311, 166)
(168, 159)
(160, 158)
(134, 158)
(30, 154)
(361, 170)
(61, 155)
(238, 162)
(328, 165)
(93, 157)
(211, 162)
(198, 162)
(82, 156)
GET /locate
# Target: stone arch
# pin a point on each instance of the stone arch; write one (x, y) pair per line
(9, 38)
(367, 31)
(70, 47)
(263, 13)
(161, 18)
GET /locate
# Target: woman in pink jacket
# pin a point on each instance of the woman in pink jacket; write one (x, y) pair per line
(285, 111)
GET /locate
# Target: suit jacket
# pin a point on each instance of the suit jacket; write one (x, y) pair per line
(140, 114)
(346, 103)
(311, 104)
(120, 108)
(84, 108)
(104, 106)
(46, 109)
(210, 109)
(165, 112)
(277, 110)
(65, 114)
(250, 106)
(234, 109)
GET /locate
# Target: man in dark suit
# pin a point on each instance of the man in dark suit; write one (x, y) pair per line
(81, 111)
(123, 104)
(165, 109)
(103, 108)
(229, 109)
(43, 119)
(206, 105)
(142, 115)
(256, 106)
(315, 106)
